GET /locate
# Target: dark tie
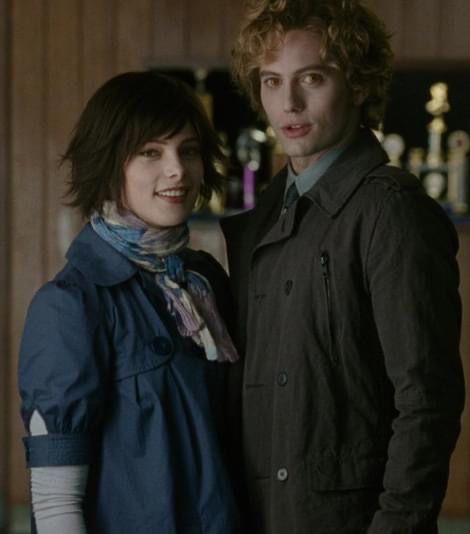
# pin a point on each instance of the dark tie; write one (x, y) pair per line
(291, 196)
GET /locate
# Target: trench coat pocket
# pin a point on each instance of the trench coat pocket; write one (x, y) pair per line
(348, 471)
(146, 357)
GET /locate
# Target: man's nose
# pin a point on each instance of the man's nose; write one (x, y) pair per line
(292, 98)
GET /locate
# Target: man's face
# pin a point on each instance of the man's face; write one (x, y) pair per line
(307, 101)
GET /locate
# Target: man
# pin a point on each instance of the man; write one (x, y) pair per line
(347, 290)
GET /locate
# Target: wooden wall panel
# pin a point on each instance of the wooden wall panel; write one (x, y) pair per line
(427, 32)
(230, 22)
(98, 45)
(4, 248)
(170, 43)
(420, 29)
(134, 34)
(392, 14)
(28, 257)
(205, 32)
(454, 30)
(61, 110)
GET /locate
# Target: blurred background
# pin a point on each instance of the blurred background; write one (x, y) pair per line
(55, 53)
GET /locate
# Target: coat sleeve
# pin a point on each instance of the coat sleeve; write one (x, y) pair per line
(61, 374)
(413, 280)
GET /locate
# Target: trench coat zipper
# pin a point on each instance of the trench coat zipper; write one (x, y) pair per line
(325, 263)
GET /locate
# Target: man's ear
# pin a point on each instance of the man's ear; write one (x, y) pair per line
(360, 95)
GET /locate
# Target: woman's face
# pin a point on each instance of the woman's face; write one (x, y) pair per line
(162, 180)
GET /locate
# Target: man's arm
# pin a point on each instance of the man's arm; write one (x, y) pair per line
(413, 279)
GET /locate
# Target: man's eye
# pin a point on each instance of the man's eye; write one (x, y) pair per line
(312, 79)
(271, 82)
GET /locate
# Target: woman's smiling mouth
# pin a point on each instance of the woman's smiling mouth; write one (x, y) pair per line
(174, 194)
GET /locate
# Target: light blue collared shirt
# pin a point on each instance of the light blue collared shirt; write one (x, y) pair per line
(310, 176)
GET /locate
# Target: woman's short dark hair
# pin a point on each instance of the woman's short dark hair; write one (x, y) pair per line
(125, 113)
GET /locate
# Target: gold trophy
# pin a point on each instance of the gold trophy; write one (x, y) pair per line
(458, 187)
(200, 74)
(434, 171)
(394, 146)
(416, 157)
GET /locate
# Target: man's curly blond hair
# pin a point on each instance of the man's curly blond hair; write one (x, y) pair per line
(352, 37)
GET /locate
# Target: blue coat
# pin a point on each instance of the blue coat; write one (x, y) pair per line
(120, 390)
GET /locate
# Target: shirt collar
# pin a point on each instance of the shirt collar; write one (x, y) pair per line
(309, 176)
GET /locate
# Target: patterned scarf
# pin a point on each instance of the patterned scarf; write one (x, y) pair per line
(188, 295)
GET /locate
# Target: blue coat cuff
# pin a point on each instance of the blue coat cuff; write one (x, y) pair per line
(57, 449)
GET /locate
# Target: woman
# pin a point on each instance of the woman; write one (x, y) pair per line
(123, 353)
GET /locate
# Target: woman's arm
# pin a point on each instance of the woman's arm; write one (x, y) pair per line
(57, 492)
(61, 362)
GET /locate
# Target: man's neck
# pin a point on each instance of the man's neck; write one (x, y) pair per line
(299, 165)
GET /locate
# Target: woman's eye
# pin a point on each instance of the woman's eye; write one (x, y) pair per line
(191, 152)
(150, 153)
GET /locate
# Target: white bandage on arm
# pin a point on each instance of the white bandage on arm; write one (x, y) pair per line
(57, 492)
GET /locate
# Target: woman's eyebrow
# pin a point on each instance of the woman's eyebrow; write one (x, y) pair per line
(166, 140)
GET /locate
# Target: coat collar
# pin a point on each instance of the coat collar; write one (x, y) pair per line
(258, 220)
(334, 188)
(97, 260)
(330, 193)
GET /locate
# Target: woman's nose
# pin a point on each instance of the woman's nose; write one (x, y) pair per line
(174, 167)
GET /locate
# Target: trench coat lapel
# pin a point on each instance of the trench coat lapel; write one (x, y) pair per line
(335, 187)
(243, 232)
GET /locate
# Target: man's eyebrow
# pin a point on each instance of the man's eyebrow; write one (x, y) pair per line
(314, 66)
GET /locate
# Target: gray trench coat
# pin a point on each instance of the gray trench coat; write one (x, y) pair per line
(349, 320)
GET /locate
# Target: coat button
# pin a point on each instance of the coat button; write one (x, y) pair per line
(282, 474)
(288, 286)
(161, 345)
(282, 378)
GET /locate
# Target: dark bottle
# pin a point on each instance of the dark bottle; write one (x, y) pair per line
(253, 152)
(234, 183)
